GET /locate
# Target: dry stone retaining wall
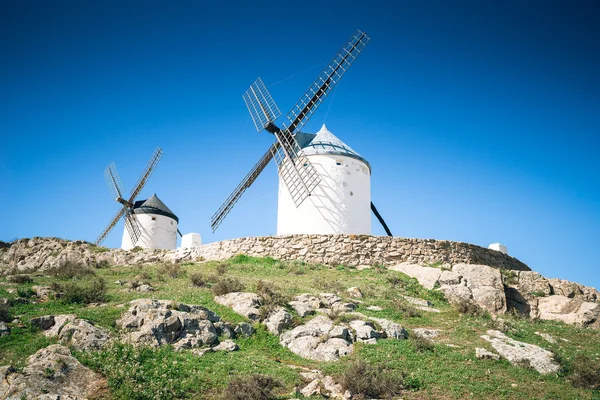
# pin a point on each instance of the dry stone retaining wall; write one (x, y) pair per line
(356, 250)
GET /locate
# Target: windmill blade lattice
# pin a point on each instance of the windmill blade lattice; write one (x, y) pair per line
(132, 226)
(109, 227)
(316, 93)
(137, 188)
(261, 105)
(298, 174)
(113, 181)
(233, 198)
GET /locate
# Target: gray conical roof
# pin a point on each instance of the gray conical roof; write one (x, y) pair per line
(325, 142)
(153, 206)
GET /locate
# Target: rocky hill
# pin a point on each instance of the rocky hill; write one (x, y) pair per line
(310, 316)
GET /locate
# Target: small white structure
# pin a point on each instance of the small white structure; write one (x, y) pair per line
(341, 203)
(191, 240)
(498, 247)
(157, 224)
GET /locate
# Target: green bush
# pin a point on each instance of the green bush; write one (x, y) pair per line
(405, 308)
(5, 315)
(272, 297)
(84, 292)
(172, 270)
(422, 344)
(19, 279)
(227, 285)
(371, 381)
(585, 372)
(470, 308)
(198, 279)
(253, 387)
(221, 269)
(70, 269)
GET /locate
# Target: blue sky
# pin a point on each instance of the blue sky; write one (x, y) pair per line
(480, 119)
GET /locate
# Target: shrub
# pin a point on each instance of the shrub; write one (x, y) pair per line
(172, 270)
(25, 292)
(334, 286)
(253, 387)
(422, 344)
(198, 279)
(70, 269)
(20, 279)
(221, 269)
(470, 308)
(585, 372)
(5, 313)
(406, 309)
(227, 285)
(272, 298)
(371, 381)
(85, 292)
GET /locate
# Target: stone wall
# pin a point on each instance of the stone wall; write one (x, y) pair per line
(355, 250)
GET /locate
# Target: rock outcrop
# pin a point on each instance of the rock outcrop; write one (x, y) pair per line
(71, 331)
(161, 322)
(319, 339)
(479, 284)
(51, 373)
(243, 303)
(524, 354)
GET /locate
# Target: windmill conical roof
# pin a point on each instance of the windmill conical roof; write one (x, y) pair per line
(326, 143)
(153, 205)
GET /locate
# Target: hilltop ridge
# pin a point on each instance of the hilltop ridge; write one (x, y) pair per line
(203, 322)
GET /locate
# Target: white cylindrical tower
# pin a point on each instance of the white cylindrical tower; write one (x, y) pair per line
(341, 203)
(157, 223)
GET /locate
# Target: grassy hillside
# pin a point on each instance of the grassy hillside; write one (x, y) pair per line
(446, 369)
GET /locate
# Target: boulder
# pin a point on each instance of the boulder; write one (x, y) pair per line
(51, 373)
(354, 292)
(159, 322)
(278, 321)
(426, 333)
(364, 331)
(83, 336)
(547, 337)
(243, 303)
(427, 276)
(312, 340)
(305, 304)
(483, 354)
(226, 345)
(244, 329)
(519, 353)
(391, 329)
(569, 310)
(479, 284)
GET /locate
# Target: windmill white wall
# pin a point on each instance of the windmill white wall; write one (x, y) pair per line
(157, 232)
(341, 203)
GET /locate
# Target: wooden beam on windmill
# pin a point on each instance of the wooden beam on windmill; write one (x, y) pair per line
(298, 174)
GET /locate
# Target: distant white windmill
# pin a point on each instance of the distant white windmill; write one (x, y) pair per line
(149, 224)
(321, 166)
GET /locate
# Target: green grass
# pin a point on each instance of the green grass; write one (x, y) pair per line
(440, 372)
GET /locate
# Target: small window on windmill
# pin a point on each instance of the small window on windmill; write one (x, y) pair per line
(153, 218)
(338, 162)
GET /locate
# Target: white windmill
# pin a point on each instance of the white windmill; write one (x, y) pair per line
(320, 167)
(149, 224)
